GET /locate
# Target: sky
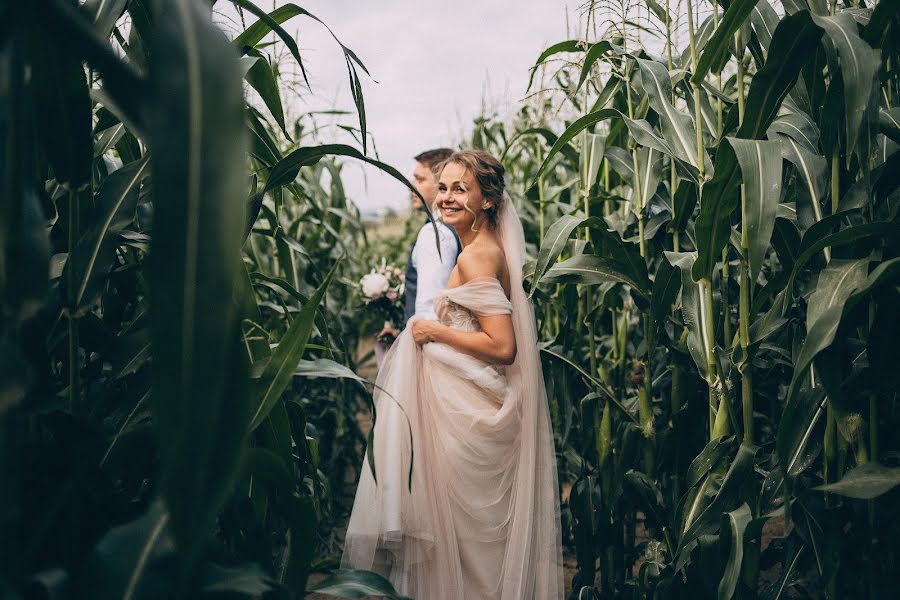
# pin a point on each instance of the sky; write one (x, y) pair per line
(434, 63)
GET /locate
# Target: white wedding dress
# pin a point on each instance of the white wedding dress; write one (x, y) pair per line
(479, 518)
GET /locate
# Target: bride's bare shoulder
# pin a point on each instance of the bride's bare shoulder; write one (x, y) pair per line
(481, 260)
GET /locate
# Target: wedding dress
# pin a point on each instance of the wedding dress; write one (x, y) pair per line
(477, 514)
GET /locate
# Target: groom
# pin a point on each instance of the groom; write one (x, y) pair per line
(427, 272)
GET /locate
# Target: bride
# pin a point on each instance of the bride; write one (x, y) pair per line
(462, 503)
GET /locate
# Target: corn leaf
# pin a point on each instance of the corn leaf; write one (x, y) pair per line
(284, 360)
(865, 482)
(678, 128)
(760, 164)
(93, 255)
(792, 45)
(859, 63)
(195, 133)
(733, 530)
(348, 583)
(723, 38)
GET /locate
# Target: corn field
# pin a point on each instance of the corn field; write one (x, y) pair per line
(710, 193)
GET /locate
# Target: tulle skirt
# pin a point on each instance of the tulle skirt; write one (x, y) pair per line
(477, 515)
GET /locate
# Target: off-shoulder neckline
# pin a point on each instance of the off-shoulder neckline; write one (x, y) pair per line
(480, 278)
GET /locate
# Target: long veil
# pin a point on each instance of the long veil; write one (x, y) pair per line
(535, 520)
(401, 525)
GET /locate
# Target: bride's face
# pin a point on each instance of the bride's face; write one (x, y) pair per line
(460, 199)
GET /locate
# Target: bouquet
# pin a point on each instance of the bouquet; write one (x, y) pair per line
(382, 290)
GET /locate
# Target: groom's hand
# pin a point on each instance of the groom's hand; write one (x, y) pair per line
(388, 333)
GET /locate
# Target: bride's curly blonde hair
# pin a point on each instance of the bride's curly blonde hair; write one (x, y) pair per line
(488, 172)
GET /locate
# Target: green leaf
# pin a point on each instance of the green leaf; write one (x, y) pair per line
(267, 466)
(195, 135)
(262, 79)
(666, 286)
(557, 354)
(708, 520)
(764, 20)
(737, 521)
(77, 37)
(271, 22)
(760, 164)
(889, 123)
(555, 240)
(59, 89)
(709, 459)
(799, 418)
(836, 282)
(822, 331)
(268, 23)
(348, 583)
(128, 552)
(300, 514)
(571, 131)
(659, 11)
(683, 205)
(691, 311)
(797, 125)
(859, 64)
(285, 358)
(650, 166)
(810, 167)
(817, 238)
(595, 52)
(879, 21)
(793, 45)
(865, 482)
(568, 151)
(566, 46)
(678, 128)
(588, 269)
(287, 169)
(24, 237)
(94, 254)
(723, 38)
(263, 146)
(324, 367)
(248, 580)
(644, 495)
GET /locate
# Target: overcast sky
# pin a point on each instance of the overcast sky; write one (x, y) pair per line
(434, 63)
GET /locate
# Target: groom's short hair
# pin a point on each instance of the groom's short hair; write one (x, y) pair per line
(433, 158)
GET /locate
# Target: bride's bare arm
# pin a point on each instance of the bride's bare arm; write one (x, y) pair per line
(496, 342)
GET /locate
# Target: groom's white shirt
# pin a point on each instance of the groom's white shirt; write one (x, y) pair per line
(433, 270)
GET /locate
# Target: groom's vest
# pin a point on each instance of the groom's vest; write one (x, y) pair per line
(412, 277)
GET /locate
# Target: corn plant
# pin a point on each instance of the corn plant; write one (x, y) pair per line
(715, 230)
(168, 254)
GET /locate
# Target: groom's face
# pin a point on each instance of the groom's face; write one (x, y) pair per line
(426, 184)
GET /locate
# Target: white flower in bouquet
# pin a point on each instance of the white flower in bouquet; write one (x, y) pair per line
(374, 285)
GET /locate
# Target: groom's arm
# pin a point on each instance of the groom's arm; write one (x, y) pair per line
(433, 270)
